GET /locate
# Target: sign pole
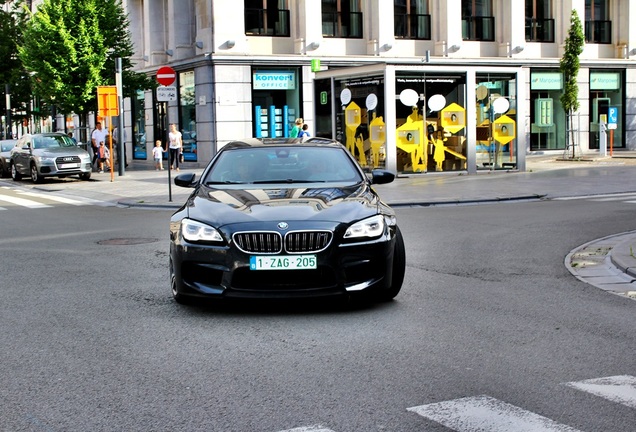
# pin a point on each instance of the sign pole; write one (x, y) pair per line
(166, 76)
(121, 152)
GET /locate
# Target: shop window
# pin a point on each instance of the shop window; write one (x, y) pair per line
(598, 27)
(266, 18)
(139, 126)
(276, 98)
(606, 91)
(341, 19)
(187, 114)
(496, 107)
(412, 19)
(478, 24)
(431, 121)
(539, 21)
(547, 116)
(360, 123)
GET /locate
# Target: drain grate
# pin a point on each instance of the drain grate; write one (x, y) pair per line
(127, 241)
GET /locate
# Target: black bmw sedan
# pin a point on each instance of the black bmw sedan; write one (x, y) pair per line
(284, 219)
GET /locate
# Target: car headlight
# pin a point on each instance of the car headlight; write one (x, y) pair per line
(45, 159)
(371, 227)
(196, 231)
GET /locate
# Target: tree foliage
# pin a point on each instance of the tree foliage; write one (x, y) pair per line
(70, 46)
(570, 63)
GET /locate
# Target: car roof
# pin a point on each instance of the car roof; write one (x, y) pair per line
(281, 142)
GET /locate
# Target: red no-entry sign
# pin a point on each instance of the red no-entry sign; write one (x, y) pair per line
(166, 75)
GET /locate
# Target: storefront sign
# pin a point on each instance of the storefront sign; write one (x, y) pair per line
(546, 81)
(605, 81)
(274, 80)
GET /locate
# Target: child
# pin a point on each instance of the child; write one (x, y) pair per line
(304, 133)
(157, 154)
(103, 157)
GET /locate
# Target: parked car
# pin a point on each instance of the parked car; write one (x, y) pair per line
(280, 219)
(5, 157)
(49, 155)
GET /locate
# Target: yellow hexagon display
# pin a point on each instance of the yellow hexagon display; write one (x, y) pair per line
(453, 118)
(504, 129)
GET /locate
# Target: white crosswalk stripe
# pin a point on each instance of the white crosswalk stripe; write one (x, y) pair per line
(23, 202)
(315, 428)
(40, 200)
(486, 414)
(620, 389)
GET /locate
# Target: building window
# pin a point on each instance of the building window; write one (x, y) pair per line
(539, 21)
(266, 18)
(598, 27)
(187, 114)
(478, 24)
(412, 19)
(341, 19)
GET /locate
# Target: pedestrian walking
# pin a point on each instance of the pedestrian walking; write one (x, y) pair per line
(98, 136)
(103, 157)
(157, 154)
(175, 146)
(298, 126)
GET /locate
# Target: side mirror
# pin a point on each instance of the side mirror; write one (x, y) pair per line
(187, 180)
(381, 176)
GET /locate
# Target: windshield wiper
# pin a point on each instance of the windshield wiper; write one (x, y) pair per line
(289, 180)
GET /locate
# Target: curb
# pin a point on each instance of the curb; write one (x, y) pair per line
(623, 255)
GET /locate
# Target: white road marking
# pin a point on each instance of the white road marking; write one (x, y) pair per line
(486, 414)
(315, 428)
(620, 388)
(597, 197)
(23, 202)
(56, 198)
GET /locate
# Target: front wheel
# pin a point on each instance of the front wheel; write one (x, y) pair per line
(85, 176)
(398, 271)
(35, 175)
(15, 174)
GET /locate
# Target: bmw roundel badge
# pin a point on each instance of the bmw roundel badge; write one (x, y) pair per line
(282, 225)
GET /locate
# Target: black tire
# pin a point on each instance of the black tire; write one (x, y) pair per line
(4, 170)
(399, 269)
(15, 175)
(85, 176)
(179, 298)
(35, 175)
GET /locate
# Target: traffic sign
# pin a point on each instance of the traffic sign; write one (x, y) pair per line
(166, 75)
(166, 94)
(107, 101)
(612, 115)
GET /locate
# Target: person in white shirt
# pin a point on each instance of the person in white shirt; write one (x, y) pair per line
(175, 146)
(98, 136)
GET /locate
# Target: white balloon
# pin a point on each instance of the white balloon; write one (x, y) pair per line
(372, 101)
(436, 102)
(409, 97)
(345, 96)
(500, 105)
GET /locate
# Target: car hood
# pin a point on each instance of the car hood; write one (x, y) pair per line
(337, 204)
(60, 151)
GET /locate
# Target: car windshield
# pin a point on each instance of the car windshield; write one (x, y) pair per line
(264, 165)
(52, 141)
(6, 146)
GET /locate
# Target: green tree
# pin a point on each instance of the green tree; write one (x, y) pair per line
(12, 73)
(70, 46)
(569, 67)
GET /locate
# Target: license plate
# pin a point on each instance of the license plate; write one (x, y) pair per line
(69, 165)
(283, 262)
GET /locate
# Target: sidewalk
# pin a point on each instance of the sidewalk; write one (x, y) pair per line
(608, 263)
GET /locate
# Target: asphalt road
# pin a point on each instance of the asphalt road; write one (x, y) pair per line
(92, 340)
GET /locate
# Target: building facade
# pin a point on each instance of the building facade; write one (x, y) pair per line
(411, 85)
